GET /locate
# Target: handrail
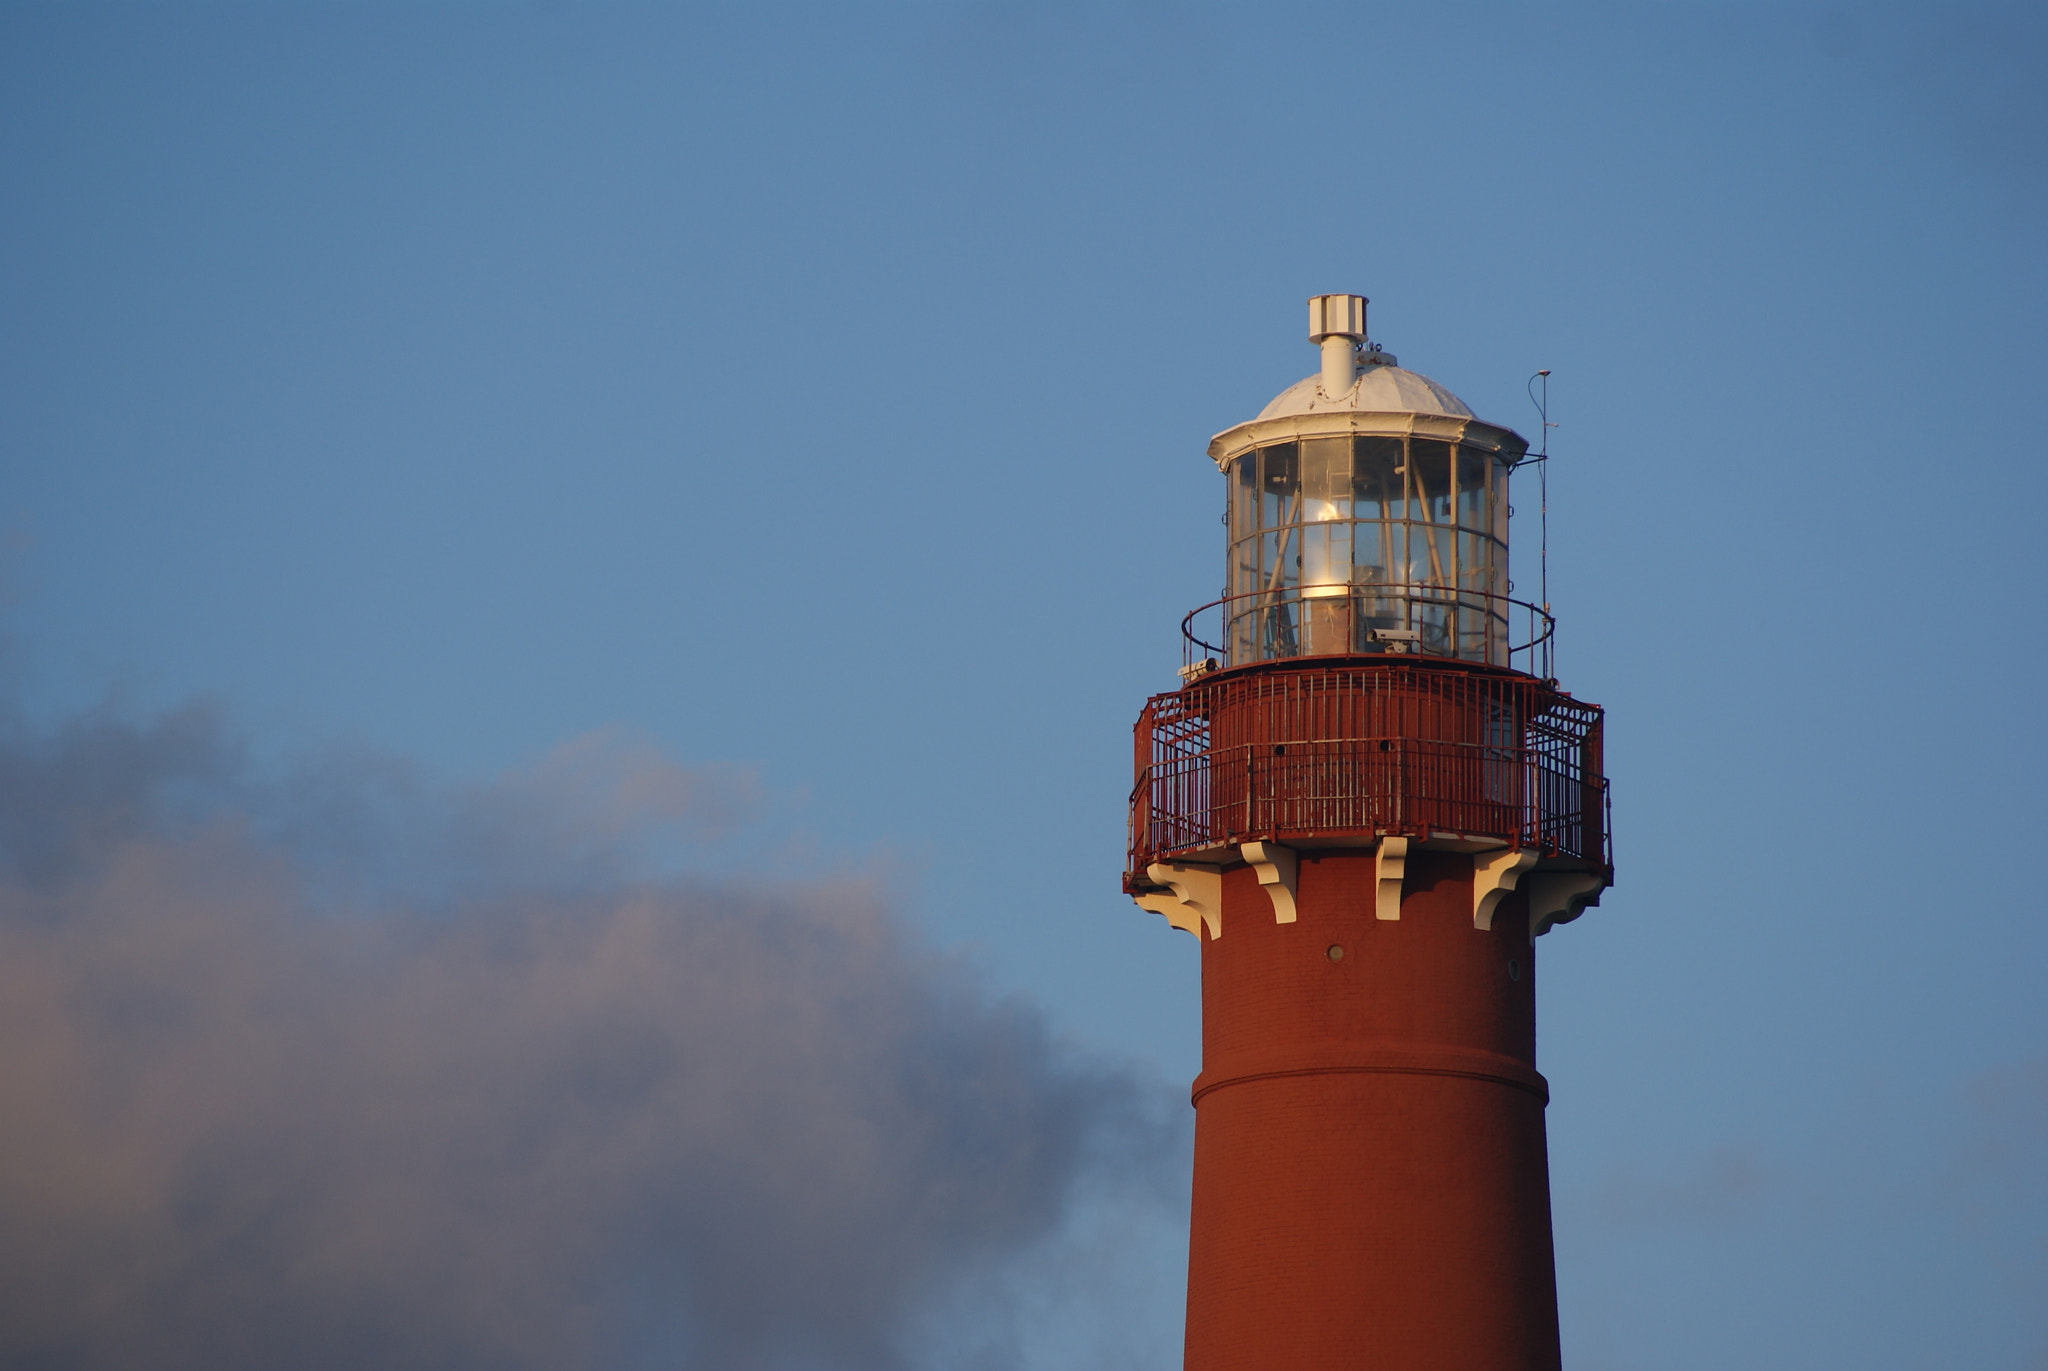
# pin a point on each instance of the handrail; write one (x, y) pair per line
(1539, 649)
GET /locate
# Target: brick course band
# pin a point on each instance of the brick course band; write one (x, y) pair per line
(1344, 1058)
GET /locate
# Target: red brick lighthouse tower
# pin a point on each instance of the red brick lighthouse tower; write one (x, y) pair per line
(1367, 800)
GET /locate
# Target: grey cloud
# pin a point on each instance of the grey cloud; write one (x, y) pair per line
(578, 1118)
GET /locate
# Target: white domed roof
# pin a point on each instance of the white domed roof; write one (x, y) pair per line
(1383, 400)
(1385, 389)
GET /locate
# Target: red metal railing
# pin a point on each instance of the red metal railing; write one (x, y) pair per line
(1411, 746)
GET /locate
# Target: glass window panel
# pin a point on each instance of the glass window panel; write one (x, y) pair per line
(1429, 555)
(1416, 571)
(1475, 562)
(1326, 554)
(1244, 566)
(1244, 496)
(1471, 635)
(1314, 552)
(1432, 621)
(1376, 478)
(1500, 507)
(1382, 611)
(1331, 538)
(1278, 630)
(1243, 644)
(1326, 479)
(1279, 485)
(1475, 489)
(1371, 551)
(1279, 560)
(1429, 463)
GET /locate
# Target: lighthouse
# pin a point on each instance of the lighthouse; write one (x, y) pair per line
(1368, 799)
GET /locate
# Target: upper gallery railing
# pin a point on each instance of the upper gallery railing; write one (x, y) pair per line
(1400, 746)
(1355, 620)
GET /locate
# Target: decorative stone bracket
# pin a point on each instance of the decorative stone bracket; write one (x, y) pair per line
(1494, 874)
(1561, 898)
(1389, 869)
(1278, 868)
(1193, 896)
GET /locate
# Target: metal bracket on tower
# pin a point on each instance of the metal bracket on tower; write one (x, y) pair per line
(1196, 899)
(1389, 868)
(1278, 868)
(1494, 874)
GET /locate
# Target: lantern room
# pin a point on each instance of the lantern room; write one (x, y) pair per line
(1368, 513)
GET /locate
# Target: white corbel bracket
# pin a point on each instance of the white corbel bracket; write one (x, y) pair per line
(1278, 868)
(1560, 898)
(1494, 875)
(1193, 897)
(1389, 869)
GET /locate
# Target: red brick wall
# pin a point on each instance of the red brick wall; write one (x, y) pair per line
(1371, 1183)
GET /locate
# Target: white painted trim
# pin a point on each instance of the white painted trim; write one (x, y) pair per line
(1227, 446)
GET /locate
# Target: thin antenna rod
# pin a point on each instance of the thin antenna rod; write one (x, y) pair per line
(1543, 485)
(1542, 404)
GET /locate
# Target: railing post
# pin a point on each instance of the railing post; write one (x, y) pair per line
(1592, 795)
(1143, 839)
(1250, 785)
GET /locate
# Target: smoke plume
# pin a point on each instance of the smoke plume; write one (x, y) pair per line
(342, 1072)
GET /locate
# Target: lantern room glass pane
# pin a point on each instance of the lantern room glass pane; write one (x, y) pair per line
(1376, 477)
(1429, 472)
(1475, 489)
(1475, 562)
(1336, 539)
(1326, 479)
(1279, 486)
(1325, 558)
(1244, 501)
(1429, 555)
(1500, 510)
(1279, 560)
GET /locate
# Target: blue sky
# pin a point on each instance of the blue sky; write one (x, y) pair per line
(819, 395)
